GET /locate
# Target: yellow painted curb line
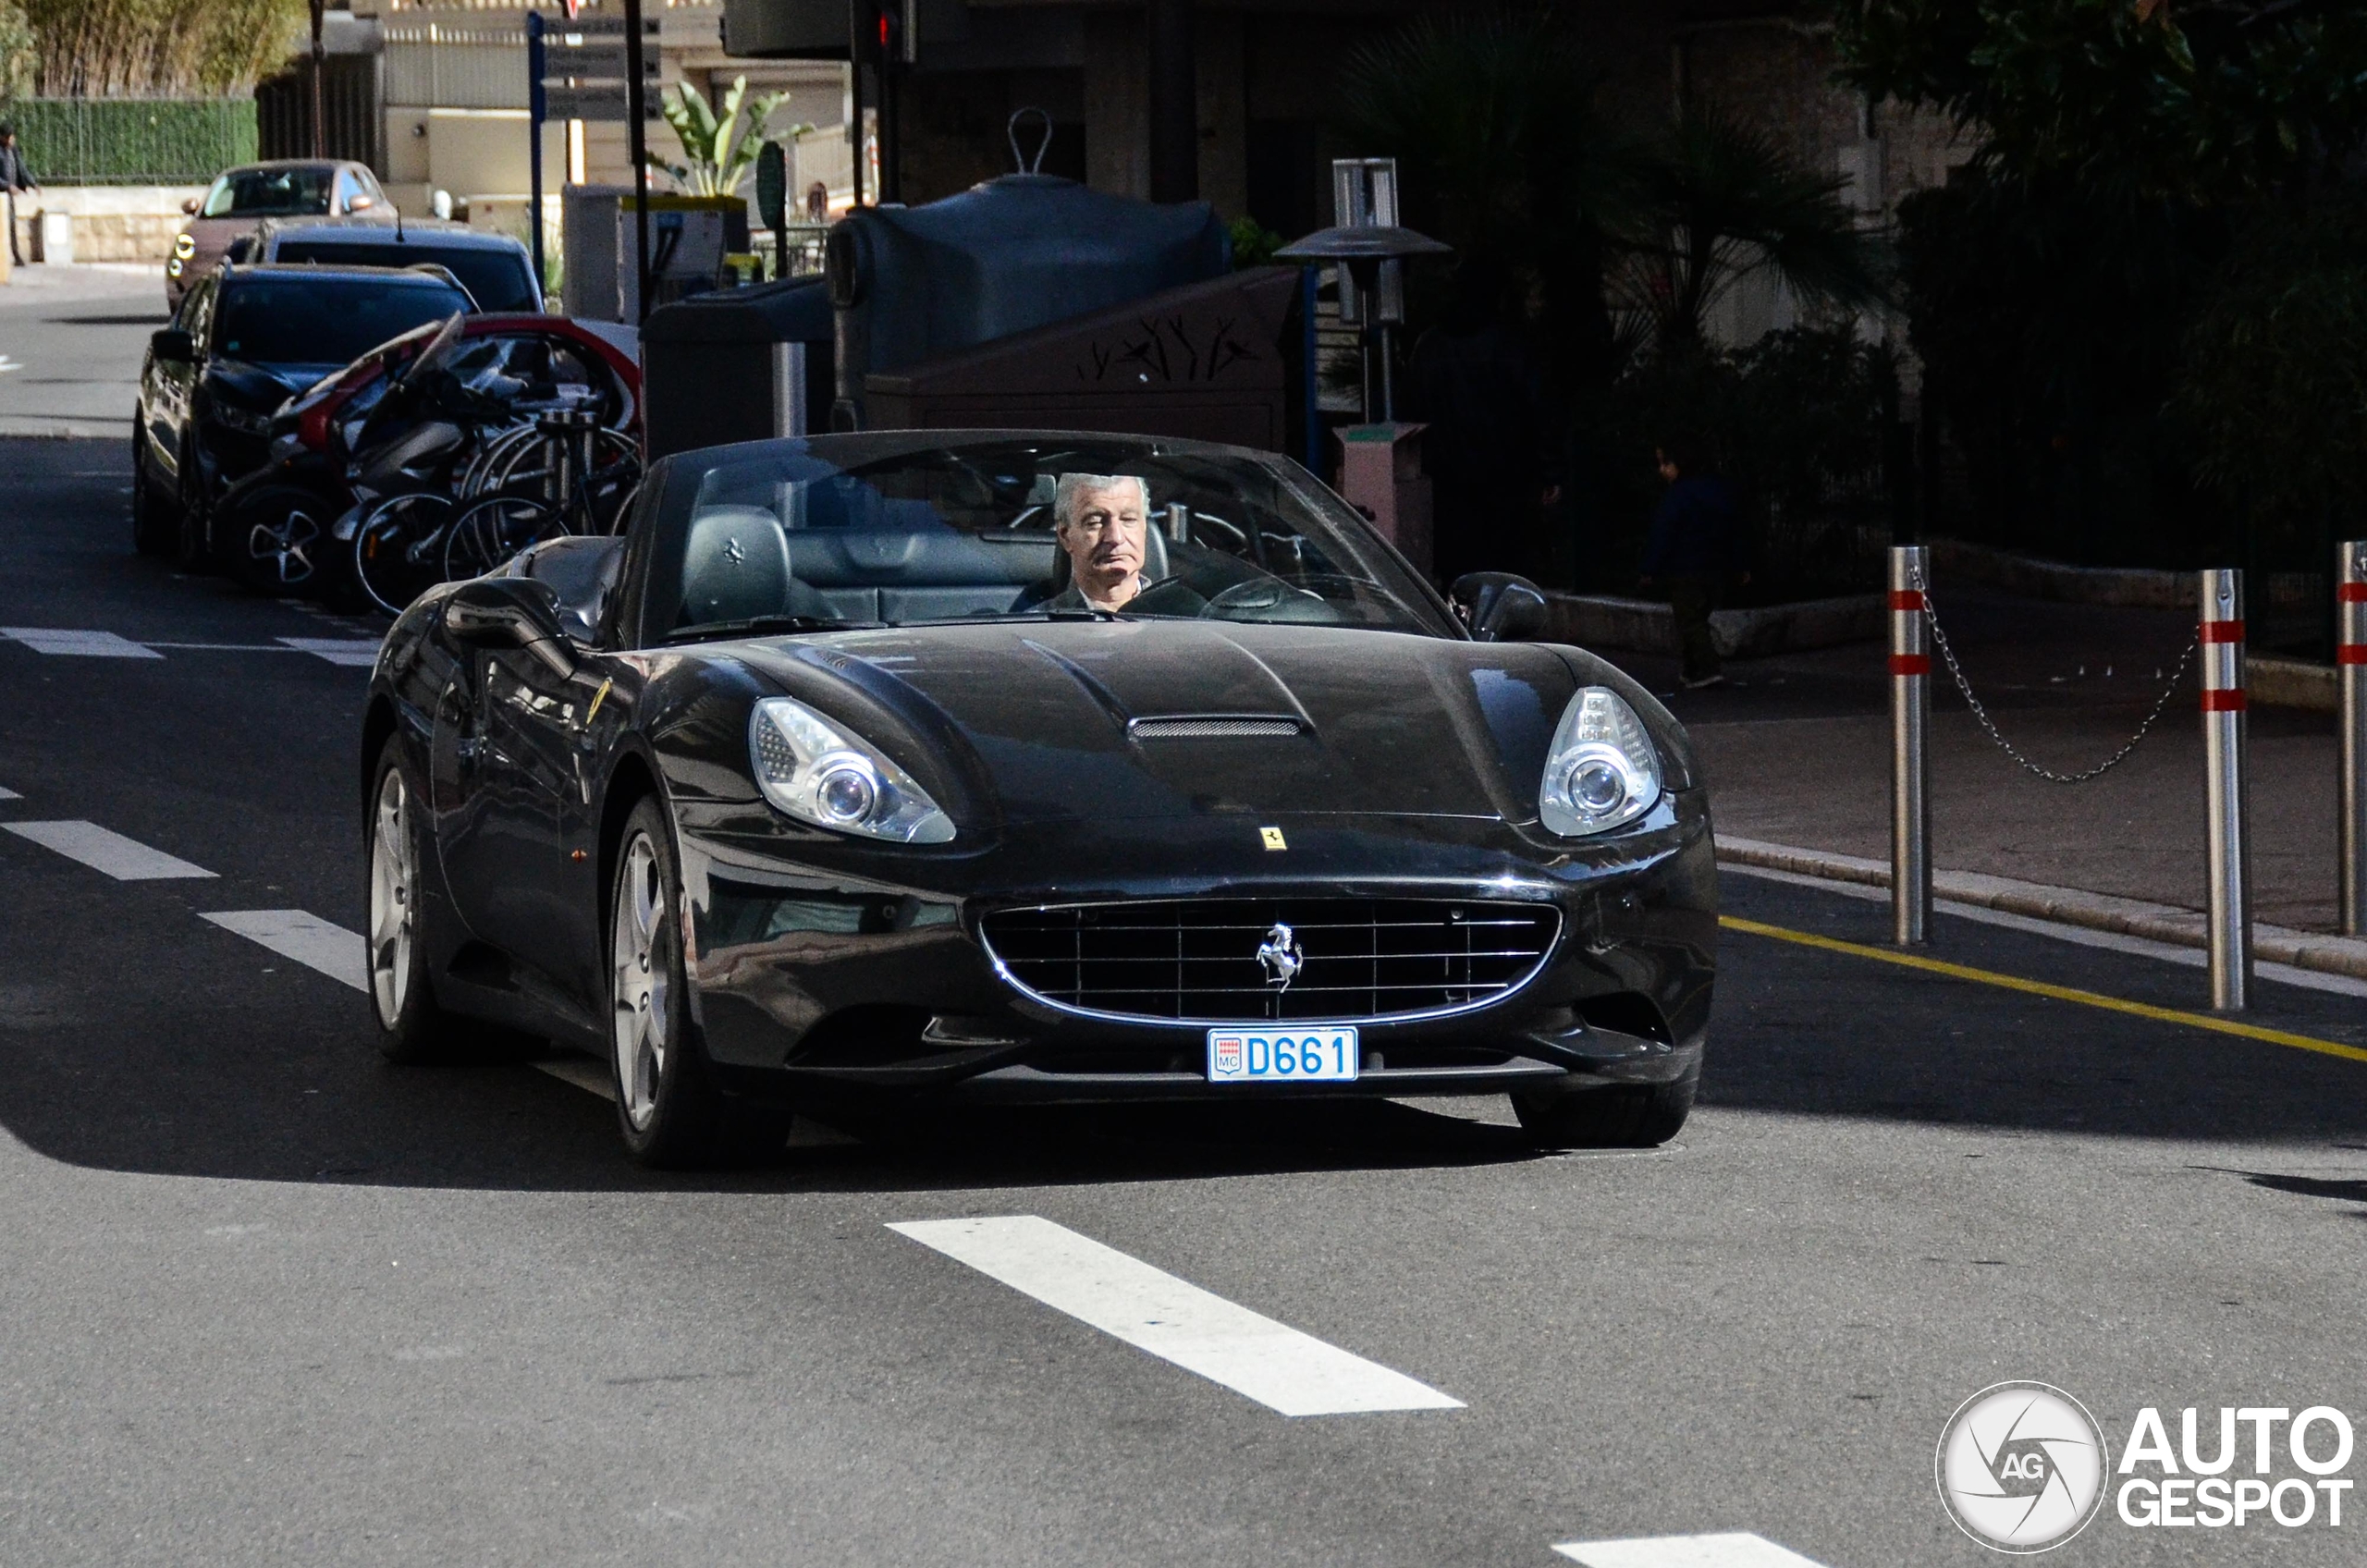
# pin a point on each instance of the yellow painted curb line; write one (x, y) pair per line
(2211, 1022)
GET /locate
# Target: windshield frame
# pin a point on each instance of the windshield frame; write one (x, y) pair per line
(652, 571)
(226, 183)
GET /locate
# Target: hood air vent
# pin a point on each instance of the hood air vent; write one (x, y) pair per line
(1211, 726)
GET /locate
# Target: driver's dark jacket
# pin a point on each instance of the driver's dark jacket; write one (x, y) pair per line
(1169, 596)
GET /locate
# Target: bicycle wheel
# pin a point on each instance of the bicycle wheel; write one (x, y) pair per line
(497, 454)
(492, 531)
(399, 549)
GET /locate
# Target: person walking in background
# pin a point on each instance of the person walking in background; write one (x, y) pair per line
(14, 176)
(1490, 451)
(817, 202)
(1692, 552)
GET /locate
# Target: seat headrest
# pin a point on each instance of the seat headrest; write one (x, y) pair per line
(735, 566)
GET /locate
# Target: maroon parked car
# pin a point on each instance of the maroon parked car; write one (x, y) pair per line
(240, 199)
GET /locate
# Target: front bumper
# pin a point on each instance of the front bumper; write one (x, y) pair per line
(808, 980)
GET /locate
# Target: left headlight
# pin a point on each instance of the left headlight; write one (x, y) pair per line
(246, 421)
(1603, 770)
(816, 771)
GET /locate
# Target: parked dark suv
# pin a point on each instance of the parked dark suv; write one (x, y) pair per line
(494, 268)
(244, 339)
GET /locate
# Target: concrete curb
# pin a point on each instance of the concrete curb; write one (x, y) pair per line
(2097, 912)
(1649, 626)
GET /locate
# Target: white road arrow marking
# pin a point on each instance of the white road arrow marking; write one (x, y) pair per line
(126, 859)
(1685, 1551)
(1173, 1320)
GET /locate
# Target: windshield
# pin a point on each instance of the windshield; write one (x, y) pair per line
(905, 527)
(323, 321)
(498, 279)
(265, 194)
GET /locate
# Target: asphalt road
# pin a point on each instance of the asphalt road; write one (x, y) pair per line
(266, 1300)
(71, 340)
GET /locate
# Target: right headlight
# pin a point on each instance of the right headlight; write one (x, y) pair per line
(1603, 770)
(817, 771)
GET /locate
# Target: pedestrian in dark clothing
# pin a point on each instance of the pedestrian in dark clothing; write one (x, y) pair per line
(14, 176)
(1693, 551)
(1492, 450)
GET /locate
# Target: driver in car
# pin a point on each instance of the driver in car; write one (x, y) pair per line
(1102, 522)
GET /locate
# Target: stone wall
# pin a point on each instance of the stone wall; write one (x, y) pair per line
(112, 222)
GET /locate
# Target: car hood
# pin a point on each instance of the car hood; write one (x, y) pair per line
(1092, 720)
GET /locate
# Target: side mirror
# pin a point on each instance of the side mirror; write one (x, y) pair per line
(189, 205)
(509, 612)
(360, 204)
(173, 347)
(1500, 607)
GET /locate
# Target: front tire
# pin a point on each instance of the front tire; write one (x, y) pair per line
(277, 537)
(412, 1028)
(154, 528)
(1621, 1116)
(668, 1111)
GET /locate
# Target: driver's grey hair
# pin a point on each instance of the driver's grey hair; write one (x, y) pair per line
(1073, 486)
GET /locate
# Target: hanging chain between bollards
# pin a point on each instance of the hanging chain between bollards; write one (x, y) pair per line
(1956, 673)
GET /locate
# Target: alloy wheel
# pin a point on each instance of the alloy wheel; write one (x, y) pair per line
(641, 985)
(394, 887)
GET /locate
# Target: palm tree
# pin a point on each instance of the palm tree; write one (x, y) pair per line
(1721, 203)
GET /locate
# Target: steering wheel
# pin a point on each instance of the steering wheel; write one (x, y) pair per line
(1268, 598)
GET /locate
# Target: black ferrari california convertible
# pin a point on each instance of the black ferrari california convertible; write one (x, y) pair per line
(825, 779)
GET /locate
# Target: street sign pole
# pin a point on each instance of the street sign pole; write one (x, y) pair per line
(537, 111)
(2350, 669)
(2229, 845)
(637, 134)
(1910, 756)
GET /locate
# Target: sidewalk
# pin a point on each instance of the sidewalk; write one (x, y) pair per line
(71, 341)
(1797, 753)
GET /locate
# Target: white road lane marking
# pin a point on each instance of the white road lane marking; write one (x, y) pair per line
(79, 643)
(337, 650)
(298, 933)
(1173, 1320)
(8, 794)
(126, 859)
(2079, 935)
(1685, 1551)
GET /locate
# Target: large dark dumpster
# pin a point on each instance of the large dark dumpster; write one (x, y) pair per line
(916, 284)
(1203, 362)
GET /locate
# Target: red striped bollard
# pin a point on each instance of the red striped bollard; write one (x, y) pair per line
(1910, 757)
(2229, 844)
(2350, 669)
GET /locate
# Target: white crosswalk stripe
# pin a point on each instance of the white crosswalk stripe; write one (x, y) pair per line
(126, 859)
(1685, 1551)
(305, 936)
(337, 650)
(8, 794)
(1173, 1320)
(79, 643)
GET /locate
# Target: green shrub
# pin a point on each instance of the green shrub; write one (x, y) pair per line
(133, 141)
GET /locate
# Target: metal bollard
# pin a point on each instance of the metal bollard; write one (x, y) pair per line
(1910, 757)
(2229, 843)
(2350, 664)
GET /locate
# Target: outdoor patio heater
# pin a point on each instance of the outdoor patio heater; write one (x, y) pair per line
(1360, 248)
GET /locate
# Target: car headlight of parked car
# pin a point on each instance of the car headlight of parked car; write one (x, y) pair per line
(816, 771)
(246, 421)
(1603, 770)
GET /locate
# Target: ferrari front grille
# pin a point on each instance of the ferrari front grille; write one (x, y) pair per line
(1223, 961)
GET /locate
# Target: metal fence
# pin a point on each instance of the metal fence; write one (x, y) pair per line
(132, 141)
(432, 64)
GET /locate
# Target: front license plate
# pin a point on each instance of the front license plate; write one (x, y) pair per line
(1282, 1056)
